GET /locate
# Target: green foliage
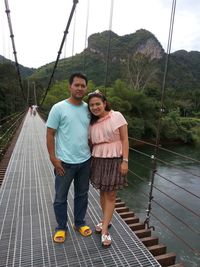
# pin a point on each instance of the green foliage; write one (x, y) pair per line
(11, 99)
(195, 132)
(141, 70)
(136, 127)
(57, 93)
(131, 81)
(169, 129)
(175, 127)
(24, 71)
(139, 110)
(184, 69)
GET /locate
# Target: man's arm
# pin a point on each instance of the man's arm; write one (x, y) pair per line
(50, 138)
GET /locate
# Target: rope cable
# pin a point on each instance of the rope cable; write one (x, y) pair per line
(172, 231)
(167, 163)
(144, 180)
(193, 212)
(154, 157)
(34, 90)
(27, 100)
(163, 177)
(74, 31)
(177, 154)
(86, 34)
(162, 207)
(165, 149)
(109, 43)
(165, 209)
(140, 152)
(19, 116)
(178, 219)
(177, 167)
(140, 164)
(14, 47)
(7, 118)
(3, 38)
(196, 252)
(60, 49)
(191, 193)
(137, 175)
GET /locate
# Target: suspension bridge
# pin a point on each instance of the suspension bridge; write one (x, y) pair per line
(27, 220)
(26, 214)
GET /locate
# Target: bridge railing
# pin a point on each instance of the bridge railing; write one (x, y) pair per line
(170, 201)
(8, 127)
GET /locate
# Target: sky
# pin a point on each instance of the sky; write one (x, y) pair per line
(38, 25)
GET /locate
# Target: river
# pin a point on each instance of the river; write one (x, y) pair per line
(181, 234)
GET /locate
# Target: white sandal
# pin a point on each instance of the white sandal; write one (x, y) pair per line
(98, 227)
(105, 240)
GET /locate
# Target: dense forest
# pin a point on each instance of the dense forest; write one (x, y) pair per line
(131, 74)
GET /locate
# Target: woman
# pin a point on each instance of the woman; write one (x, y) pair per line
(110, 147)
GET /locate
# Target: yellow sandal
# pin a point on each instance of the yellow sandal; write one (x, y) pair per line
(59, 236)
(84, 230)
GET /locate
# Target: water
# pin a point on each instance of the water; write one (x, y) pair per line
(182, 234)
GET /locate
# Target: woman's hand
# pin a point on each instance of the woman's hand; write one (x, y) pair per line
(124, 168)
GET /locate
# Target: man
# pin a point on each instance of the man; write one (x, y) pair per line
(69, 152)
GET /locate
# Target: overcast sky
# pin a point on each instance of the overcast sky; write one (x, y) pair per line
(38, 25)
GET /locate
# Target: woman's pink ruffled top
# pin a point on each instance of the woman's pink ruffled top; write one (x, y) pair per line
(105, 135)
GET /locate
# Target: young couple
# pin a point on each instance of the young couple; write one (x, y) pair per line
(69, 124)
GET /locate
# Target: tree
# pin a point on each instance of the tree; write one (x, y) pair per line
(11, 99)
(140, 70)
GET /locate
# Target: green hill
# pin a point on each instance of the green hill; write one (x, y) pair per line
(131, 71)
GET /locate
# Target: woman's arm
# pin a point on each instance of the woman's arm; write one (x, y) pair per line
(123, 130)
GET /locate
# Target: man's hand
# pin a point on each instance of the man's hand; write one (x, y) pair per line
(51, 149)
(58, 166)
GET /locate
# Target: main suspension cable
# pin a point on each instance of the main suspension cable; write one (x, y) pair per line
(14, 47)
(154, 157)
(60, 49)
(109, 43)
(86, 34)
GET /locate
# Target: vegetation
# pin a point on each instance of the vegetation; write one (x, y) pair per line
(131, 76)
(11, 99)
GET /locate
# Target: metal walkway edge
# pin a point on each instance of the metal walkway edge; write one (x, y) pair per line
(27, 219)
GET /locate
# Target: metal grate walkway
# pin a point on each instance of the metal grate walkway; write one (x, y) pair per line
(27, 219)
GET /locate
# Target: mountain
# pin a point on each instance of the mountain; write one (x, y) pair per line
(141, 41)
(104, 68)
(97, 63)
(184, 70)
(133, 67)
(94, 58)
(25, 71)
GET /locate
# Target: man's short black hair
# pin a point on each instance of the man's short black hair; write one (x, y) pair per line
(79, 75)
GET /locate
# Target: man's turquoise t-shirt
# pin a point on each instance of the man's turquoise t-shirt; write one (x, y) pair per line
(71, 124)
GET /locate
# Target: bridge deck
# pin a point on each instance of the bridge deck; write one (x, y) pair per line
(27, 219)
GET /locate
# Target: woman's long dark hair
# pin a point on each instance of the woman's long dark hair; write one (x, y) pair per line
(103, 98)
